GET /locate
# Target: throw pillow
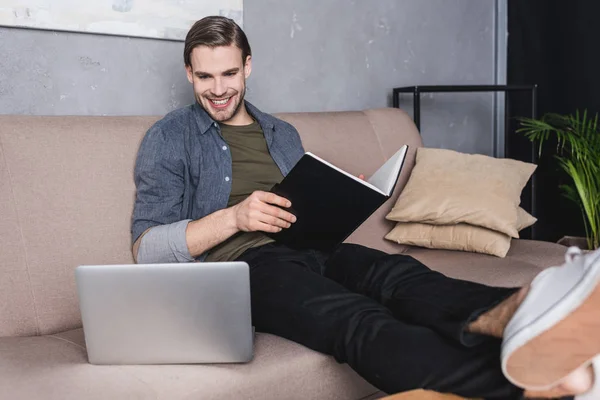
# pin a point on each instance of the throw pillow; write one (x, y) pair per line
(447, 187)
(463, 237)
(524, 220)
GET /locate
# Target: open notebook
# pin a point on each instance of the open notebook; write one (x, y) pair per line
(330, 203)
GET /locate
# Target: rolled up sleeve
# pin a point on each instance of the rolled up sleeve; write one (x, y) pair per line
(165, 244)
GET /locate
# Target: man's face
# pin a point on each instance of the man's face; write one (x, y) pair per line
(219, 79)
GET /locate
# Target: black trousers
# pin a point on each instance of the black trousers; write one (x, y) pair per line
(398, 324)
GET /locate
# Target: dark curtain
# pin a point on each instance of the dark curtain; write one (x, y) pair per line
(556, 45)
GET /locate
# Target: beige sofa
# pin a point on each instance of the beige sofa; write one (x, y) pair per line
(66, 195)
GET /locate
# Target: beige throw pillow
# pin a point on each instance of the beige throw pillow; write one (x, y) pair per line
(463, 237)
(447, 187)
(524, 220)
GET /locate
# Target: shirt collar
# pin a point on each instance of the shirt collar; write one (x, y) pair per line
(205, 121)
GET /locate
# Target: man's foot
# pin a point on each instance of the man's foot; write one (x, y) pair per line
(556, 329)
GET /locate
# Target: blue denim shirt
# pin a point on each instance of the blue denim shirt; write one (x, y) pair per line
(183, 173)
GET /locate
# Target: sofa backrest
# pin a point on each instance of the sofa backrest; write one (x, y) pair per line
(66, 197)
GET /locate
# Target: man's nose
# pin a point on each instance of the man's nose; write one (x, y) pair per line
(219, 88)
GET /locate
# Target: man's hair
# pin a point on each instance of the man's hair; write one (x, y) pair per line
(215, 32)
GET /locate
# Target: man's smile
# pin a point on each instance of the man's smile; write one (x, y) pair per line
(220, 103)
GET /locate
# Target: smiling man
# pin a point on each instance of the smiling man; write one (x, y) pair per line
(203, 174)
(219, 87)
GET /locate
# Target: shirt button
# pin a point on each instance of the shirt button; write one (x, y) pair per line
(226, 179)
(224, 147)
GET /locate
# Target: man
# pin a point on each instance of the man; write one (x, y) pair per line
(202, 177)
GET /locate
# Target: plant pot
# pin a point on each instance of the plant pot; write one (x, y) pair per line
(578, 241)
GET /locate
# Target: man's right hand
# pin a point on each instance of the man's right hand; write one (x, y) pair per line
(258, 212)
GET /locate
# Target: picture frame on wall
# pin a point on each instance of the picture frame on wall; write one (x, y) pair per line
(158, 19)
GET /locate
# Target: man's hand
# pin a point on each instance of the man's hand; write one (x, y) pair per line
(256, 213)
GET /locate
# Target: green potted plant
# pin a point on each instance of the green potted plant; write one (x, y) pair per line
(579, 156)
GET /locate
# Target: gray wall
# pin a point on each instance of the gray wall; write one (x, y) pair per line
(309, 55)
(59, 73)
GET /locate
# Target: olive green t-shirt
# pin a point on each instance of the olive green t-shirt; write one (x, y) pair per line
(253, 169)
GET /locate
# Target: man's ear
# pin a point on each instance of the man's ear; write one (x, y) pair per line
(248, 66)
(189, 73)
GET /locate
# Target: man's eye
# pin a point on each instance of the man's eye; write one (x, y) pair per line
(202, 77)
(230, 74)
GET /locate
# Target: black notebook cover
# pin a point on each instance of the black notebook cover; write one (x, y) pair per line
(328, 205)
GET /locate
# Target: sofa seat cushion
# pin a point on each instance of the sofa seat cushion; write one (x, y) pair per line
(55, 367)
(525, 259)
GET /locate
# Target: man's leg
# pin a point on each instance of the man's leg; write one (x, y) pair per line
(464, 311)
(291, 299)
(414, 293)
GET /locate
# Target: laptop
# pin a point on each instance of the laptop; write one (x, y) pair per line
(184, 313)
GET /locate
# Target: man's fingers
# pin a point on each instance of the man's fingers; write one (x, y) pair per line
(272, 198)
(264, 215)
(271, 219)
(260, 217)
(268, 219)
(278, 213)
(268, 228)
